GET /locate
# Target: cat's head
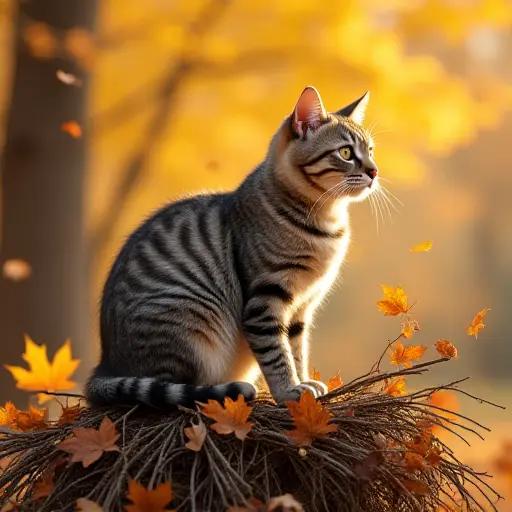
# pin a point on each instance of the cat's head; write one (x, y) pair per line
(317, 151)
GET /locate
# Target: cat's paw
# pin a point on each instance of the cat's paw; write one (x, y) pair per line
(294, 393)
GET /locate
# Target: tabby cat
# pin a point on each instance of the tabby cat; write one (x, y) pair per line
(213, 289)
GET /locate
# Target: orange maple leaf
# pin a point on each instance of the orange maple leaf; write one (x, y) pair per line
(477, 324)
(446, 349)
(314, 375)
(433, 458)
(43, 375)
(85, 505)
(147, 500)
(409, 328)
(422, 247)
(88, 444)
(413, 462)
(230, 418)
(401, 355)
(395, 301)
(396, 387)
(334, 382)
(24, 421)
(310, 419)
(421, 443)
(197, 435)
(69, 414)
(72, 128)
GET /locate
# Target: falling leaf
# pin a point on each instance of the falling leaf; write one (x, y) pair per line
(88, 444)
(401, 355)
(395, 301)
(16, 269)
(416, 487)
(147, 500)
(24, 421)
(197, 435)
(314, 375)
(446, 349)
(334, 383)
(85, 505)
(230, 418)
(72, 128)
(477, 324)
(42, 374)
(422, 247)
(286, 503)
(396, 387)
(40, 40)
(407, 331)
(69, 414)
(367, 467)
(44, 486)
(310, 419)
(68, 78)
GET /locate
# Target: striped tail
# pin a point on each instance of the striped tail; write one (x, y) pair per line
(101, 391)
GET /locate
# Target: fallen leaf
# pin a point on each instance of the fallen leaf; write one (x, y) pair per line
(396, 387)
(42, 375)
(197, 435)
(395, 301)
(477, 324)
(40, 40)
(446, 349)
(68, 78)
(422, 247)
(88, 444)
(416, 487)
(147, 500)
(368, 465)
(24, 421)
(285, 503)
(334, 383)
(310, 419)
(72, 128)
(401, 355)
(85, 505)
(44, 486)
(230, 418)
(16, 269)
(69, 414)
(421, 443)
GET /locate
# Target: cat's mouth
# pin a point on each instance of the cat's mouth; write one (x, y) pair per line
(359, 187)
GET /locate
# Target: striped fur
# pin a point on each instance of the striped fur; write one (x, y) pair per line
(211, 290)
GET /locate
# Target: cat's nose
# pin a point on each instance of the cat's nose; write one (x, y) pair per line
(371, 172)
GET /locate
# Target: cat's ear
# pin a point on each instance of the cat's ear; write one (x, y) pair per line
(356, 110)
(309, 113)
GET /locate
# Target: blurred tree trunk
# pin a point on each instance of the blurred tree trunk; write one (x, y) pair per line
(42, 172)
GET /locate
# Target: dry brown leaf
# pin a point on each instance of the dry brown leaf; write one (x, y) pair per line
(88, 444)
(477, 324)
(413, 462)
(16, 269)
(310, 419)
(285, 503)
(148, 500)
(334, 382)
(230, 418)
(422, 247)
(69, 414)
(446, 349)
(402, 356)
(395, 301)
(197, 435)
(85, 505)
(72, 128)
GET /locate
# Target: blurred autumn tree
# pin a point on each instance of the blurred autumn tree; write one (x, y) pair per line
(186, 95)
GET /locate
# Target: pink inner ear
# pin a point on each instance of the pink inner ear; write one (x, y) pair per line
(309, 112)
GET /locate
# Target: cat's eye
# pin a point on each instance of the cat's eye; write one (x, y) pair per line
(346, 153)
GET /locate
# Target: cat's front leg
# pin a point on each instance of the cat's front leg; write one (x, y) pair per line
(298, 336)
(264, 326)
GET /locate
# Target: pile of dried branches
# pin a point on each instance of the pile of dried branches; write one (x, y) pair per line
(362, 466)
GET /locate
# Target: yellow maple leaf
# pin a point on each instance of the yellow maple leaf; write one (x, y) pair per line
(401, 355)
(394, 302)
(422, 247)
(396, 387)
(42, 374)
(477, 323)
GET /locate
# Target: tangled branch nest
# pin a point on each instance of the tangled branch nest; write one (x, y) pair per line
(348, 471)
